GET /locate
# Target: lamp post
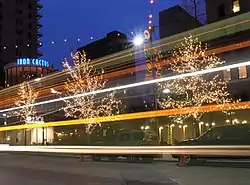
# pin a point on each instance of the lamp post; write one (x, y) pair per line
(5, 123)
(160, 133)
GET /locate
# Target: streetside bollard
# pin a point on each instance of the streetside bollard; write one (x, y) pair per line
(81, 157)
(183, 161)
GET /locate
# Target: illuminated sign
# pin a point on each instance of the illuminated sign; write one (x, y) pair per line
(35, 62)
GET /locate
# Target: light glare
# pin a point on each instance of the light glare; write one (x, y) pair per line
(138, 41)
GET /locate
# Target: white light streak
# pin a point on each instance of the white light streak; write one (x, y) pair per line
(202, 72)
(180, 150)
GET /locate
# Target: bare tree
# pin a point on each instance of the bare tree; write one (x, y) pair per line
(193, 92)
(84, 79)
(26, 99)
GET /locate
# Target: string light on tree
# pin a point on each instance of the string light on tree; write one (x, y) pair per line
(195, 91)
(85, 79)
(26, 97)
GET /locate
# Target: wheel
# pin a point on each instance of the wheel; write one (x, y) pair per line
(187, 159)
(133, 158)
(96, 158)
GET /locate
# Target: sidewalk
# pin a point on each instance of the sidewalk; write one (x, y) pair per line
(146, 177)
(166, 158)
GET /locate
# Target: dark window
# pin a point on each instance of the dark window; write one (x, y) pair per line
(30, 16)
(29, 6)
(30, 26)
(221, 11)
(29, 35)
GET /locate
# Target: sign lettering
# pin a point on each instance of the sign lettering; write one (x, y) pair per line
(35, 62)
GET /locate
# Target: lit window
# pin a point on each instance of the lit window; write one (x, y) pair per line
(242, 72)
(227, 75)
(236, 6)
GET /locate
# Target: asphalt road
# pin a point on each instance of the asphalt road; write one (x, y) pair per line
(30, 170)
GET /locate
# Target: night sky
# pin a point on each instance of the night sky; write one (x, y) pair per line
(73, 19)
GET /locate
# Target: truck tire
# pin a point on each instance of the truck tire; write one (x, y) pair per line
(96, 158)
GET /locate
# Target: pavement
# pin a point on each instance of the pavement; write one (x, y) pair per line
(40, 170)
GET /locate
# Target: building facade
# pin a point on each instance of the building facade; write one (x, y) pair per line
(239, 78)
(19, 31)
(26, 69)
(176, 20)
(223, 9)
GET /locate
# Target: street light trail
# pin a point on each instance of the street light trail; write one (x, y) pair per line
(138, 84)
(243, 151)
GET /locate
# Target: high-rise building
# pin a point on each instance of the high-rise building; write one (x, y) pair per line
(222, 9)
(19, 31)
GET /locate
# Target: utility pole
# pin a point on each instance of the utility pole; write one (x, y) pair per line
(149, 35)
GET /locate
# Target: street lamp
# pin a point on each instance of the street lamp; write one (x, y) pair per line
(184, 131)
(29, 118)
(160, 133)
(200, 127)
(138, 40)
(166, 91)
(147, 128)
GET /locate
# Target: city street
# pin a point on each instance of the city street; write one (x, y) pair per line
(30, 170)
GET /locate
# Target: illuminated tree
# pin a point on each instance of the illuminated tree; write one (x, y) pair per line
(84, 79)
(196, 91)
(26, 98)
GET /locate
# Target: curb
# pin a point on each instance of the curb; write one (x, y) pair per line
(76, 156)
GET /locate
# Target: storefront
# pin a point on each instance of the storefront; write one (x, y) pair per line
(26, 69)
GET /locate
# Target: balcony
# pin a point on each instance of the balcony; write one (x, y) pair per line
(39, 6)
(39, 25)
(39, 54)
(39, 15)
(39, 35)
(39, 44)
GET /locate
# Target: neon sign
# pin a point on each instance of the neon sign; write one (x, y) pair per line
(35, 62)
